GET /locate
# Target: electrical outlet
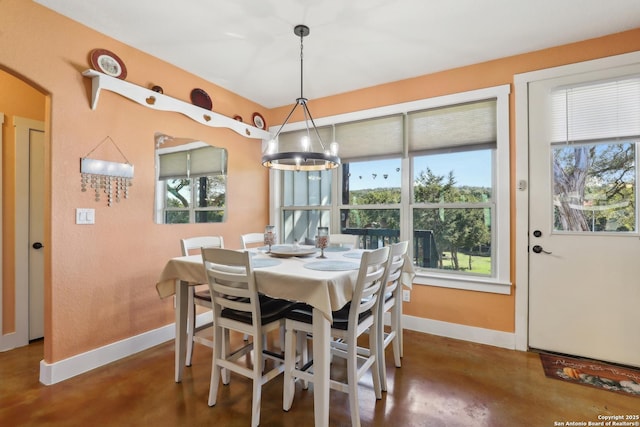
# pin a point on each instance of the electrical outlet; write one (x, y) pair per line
(406, 295)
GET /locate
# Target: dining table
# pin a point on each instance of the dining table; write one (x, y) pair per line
(291, 272)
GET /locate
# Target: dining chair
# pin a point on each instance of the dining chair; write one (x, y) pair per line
(251, 240)
(391, 302)
(349, 240)
(237, 306)
(348, 324)
(197, 297)
(248, 241)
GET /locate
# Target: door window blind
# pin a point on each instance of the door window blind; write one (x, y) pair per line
(609, 109)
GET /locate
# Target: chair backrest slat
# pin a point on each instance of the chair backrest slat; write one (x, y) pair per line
(396, 264)
(195, 243)
(347, 240)
(373, 268)
(231, 281)
(251, 239)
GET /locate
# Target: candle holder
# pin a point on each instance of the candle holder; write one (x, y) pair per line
(322, 240)
(269, 237)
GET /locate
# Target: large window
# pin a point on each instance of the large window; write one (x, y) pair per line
(425, 172)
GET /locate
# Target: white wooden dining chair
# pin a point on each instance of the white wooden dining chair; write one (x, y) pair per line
(348, 324)
(251, 240)
(391, 302)
(198, 297)
(237, 306)
(347, 240)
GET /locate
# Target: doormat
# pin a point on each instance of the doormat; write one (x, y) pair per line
(592, 373)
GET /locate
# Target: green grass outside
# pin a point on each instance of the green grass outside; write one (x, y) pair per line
(479, 264)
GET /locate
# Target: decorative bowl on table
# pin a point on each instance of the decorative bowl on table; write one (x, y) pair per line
(287, 251)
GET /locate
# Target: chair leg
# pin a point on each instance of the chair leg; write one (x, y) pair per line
(257, 390)
(352, 383)
(191, 325)
(396, 327)
(374, 348)
(380, 357)
(281, 338)
(288, 387)
(226, 348)
(303, 351)
(215, 369)
(399, 330)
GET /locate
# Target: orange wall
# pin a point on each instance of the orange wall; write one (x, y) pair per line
(101, 277)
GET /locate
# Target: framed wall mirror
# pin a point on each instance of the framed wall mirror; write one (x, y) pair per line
(191, 181)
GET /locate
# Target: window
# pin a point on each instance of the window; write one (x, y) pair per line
(371, 200)
(452, 212)
(192, 184)
(307, 204)
(424, 171)
(452, 156)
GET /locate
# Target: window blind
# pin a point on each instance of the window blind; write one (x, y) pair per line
(471, 123)
(292, 141)
(192, 163)
(376, 137)
(609, 109)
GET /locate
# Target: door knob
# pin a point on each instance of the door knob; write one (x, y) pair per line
(37, 245)
(537, 233)
(537, 249)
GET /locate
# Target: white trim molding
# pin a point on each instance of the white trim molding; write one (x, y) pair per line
(52, 373)
(460, 332)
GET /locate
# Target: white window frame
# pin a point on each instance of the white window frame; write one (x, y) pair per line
(500, 282)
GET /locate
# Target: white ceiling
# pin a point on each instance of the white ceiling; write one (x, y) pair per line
(248, 46)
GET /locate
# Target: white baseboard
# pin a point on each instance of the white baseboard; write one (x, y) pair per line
(51, 373)
(461, 332)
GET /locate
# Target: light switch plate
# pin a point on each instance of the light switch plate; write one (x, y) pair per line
(85, 216)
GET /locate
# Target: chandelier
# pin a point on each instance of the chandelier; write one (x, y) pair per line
(304, 157)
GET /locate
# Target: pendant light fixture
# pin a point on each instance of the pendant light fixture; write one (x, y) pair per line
(304, 157)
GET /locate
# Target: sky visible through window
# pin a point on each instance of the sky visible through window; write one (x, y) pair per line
(470, 168)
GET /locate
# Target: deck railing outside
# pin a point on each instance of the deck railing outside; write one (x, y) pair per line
(425, 252)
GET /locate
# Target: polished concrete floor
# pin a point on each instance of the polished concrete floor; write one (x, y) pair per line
(443, 382)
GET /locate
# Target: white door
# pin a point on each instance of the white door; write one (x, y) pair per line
(584, 245)
(30, 223)
(36, 234)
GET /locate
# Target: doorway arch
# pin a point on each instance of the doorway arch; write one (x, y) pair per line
(22, 102)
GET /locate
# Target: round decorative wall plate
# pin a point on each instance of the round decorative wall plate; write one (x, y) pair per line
(258, 121)
(201, 98)
(108, 63)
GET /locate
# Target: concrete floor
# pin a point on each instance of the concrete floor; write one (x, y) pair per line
(443, 382)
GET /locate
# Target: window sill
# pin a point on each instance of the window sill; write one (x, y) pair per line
(468, 283)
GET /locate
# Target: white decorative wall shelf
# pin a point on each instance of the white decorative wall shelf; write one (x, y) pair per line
(158, 101)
